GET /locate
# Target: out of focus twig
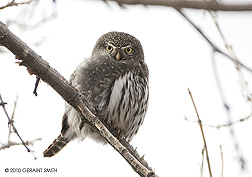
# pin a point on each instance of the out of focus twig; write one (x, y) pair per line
(212, 5)
(14, 3)
(245, 91)
(215, 48)
(8, 145)
(12, 118)
(202, 162)
(12, 126)
(222, 161)
(223, 125)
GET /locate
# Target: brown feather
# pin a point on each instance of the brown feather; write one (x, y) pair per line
(56, 146)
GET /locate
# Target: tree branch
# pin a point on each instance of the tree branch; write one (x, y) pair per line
(36, 65)
(13, 3)
(190, 4)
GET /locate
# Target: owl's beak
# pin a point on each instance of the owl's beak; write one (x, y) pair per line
(118, 56)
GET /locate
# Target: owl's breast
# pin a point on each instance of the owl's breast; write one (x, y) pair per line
(128, 104)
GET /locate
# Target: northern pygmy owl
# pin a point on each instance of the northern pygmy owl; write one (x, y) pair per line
(114, 82)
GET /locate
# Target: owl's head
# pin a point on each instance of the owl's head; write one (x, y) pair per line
(119, 45)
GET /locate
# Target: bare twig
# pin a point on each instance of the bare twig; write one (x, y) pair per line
(202, 162)
(245, 91)
(191, 4)
(14, 3)
(229, 117)
(222, 161)
(215, 48)
(9, 144)
(13, 127)
(230, 123)
(12, 118)
(42, 69)
(223, 125)
(26, 20)
(202, 132)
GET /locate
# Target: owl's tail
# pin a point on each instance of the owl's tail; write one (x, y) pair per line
(56, 146)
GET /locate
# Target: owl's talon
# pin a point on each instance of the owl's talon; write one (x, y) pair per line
(81, 125)
(118, 133)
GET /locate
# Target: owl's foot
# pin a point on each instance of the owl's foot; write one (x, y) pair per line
(117, 132)
(81, 125)
(82, 122)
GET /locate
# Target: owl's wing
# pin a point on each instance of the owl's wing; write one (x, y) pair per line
(73, 78)
(73, 81)
(92, 78)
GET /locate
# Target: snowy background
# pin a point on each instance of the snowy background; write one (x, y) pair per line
(178, 58)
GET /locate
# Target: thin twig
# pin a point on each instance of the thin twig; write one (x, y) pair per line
(215, 48)
(222, 161)
(13, 3)
(223, 125)
(202, 162)
(228, 114)
(9, 144)
(12, 118)
(245, 91)
(202, 132)
(13, 127)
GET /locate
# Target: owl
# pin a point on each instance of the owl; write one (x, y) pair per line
(115, 84)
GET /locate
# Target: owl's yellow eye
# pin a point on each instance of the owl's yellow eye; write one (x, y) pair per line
(109, 48)
(128, 49)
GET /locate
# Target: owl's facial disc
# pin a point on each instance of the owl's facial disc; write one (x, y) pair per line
(119, 52)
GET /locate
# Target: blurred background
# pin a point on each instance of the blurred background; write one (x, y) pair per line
(64, 32)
